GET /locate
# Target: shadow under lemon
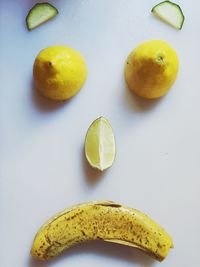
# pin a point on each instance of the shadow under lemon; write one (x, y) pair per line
(45, 104)
(139, 104)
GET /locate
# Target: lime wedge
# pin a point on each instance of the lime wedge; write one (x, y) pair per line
(100, 144)
(169, 12)
(40, 13)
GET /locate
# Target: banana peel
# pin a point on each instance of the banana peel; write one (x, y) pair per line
(101, 220)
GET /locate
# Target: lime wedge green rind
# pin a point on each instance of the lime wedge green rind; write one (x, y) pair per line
(39, 14)
(100, 144)
(170, 13)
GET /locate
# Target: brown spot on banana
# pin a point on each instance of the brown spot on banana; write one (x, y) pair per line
(103, 220)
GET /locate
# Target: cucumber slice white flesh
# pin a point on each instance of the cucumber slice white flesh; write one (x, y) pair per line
(39, 14)
(169, 12)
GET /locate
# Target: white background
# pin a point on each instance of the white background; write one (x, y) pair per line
(43, 169)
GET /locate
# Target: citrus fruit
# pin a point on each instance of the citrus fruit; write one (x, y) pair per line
(100, 144)
(169, 12)
(151, 69)
(39, 14)
(59, 72)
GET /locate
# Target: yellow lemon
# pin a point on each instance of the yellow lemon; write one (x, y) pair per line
(59, 72)
(151, 69)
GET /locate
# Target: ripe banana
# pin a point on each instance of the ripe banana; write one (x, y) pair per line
(104, 220)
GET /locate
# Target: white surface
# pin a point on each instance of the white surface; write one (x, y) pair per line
(43, 169)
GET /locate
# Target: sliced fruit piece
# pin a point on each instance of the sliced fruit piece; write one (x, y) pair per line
(169, 12)
(100, 144)
(40, 13)
(103, 220)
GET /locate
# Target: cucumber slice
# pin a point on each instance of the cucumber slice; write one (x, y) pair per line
(169, 12)
(40, 13)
